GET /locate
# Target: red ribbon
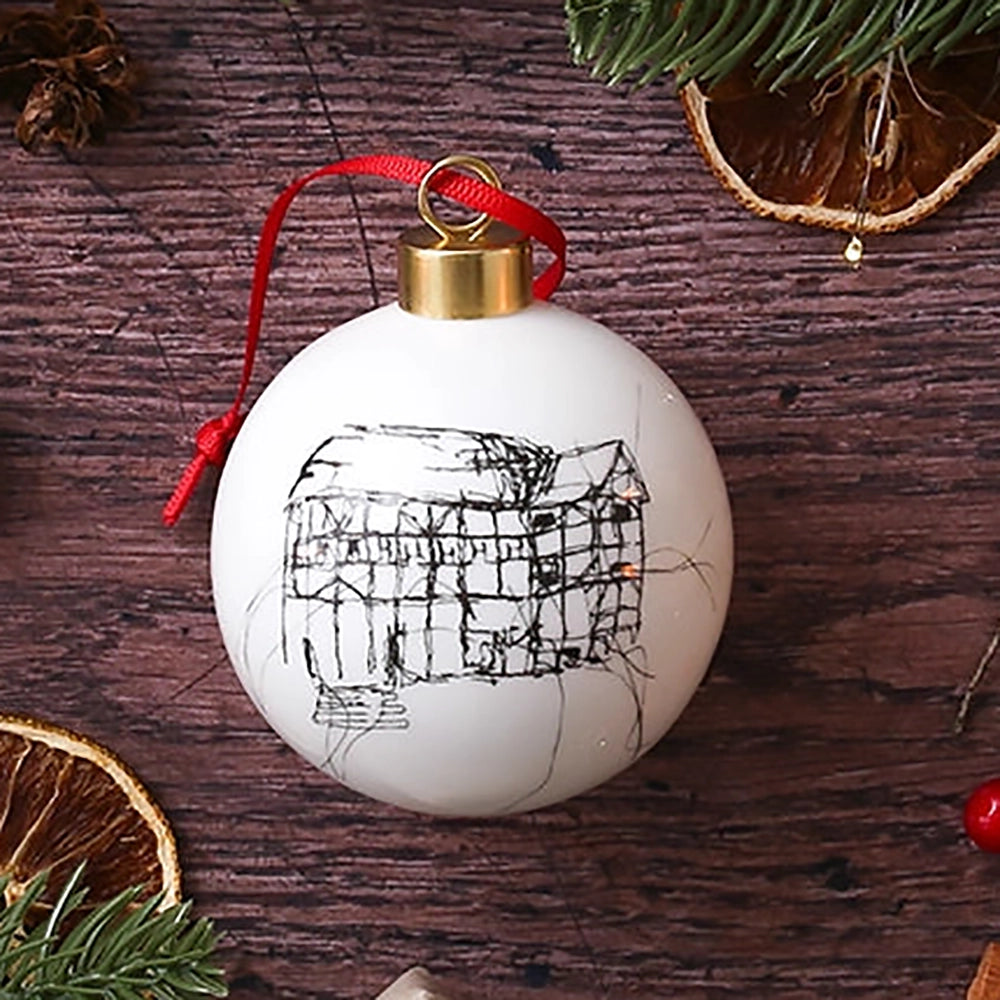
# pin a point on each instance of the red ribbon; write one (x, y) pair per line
(214, 437)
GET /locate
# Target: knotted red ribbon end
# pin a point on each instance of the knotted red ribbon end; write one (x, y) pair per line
(211, 447)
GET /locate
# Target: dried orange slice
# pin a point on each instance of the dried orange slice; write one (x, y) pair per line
(986, 985)
(65, 799)
(803, 154)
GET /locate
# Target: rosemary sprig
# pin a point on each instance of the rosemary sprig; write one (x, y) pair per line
(121, 950)
(801, 39)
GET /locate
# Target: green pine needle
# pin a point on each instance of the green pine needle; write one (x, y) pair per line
(121, 950)
(801, 39)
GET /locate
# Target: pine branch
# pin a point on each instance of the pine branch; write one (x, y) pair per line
(706, 40)
(121, 950)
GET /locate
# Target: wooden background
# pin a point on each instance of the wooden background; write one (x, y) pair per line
(798, 833)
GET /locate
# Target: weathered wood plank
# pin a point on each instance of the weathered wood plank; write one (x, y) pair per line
(797, 834)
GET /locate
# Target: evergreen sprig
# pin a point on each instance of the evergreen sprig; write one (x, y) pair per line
(121, 950)
(706, 40)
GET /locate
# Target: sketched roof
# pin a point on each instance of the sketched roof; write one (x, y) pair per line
(433, 464)
(454, 466)
(594, 469)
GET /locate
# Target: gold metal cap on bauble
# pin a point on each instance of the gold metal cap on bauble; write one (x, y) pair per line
(482, 268)
(461, 278)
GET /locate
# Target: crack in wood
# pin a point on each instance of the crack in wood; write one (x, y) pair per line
(191, 684)
(162, 248)
(338, 146)
(85, 355)
(603, 990)
(158, 243)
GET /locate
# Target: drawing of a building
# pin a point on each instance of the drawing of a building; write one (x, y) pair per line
(506, 558)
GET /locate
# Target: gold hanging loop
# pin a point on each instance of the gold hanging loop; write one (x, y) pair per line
(467, 231)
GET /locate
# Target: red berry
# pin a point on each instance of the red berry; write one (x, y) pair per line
(982, 816)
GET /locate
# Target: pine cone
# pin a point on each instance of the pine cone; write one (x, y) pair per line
(67, 72)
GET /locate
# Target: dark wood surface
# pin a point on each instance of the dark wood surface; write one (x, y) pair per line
(797, 834)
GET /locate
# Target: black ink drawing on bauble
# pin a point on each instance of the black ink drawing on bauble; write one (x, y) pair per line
(509, 560)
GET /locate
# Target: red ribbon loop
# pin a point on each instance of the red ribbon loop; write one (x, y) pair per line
(214, 437)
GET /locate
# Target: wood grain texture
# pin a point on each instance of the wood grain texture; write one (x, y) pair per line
(797, 834)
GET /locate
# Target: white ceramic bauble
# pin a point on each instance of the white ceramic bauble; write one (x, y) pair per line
(471, 566)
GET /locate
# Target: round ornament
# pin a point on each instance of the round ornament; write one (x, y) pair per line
(471, 552)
